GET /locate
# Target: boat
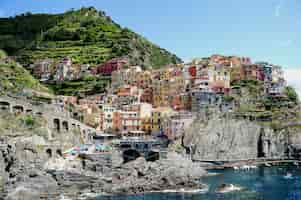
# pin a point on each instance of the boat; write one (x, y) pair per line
(225, 188)
(288, 176)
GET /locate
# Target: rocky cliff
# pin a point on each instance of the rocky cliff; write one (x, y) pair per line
(224, 139)
(28, 173)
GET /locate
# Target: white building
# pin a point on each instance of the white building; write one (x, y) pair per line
(108, 111)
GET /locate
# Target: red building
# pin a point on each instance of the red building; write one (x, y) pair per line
(192, 71)
(110, 66)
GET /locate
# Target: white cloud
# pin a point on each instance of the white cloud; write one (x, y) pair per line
(293, 78)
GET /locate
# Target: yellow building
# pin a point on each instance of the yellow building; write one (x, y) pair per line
(146, 124)
(159, 115)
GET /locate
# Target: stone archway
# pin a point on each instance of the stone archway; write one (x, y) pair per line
(18, 109)
(65, 126)
(56, 124)
(49, 153)
(59, 152)
(4, 106)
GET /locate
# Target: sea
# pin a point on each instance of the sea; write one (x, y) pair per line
(263, 183)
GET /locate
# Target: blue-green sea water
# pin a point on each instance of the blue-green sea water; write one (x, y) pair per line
(264, 183)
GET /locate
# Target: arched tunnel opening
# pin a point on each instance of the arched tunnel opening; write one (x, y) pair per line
(129, 155)
(152, 156)
(49, 153)
(4, 105)
(65, 126)
(59, 152)
(56, 124)
(260, 146)
(18, 109)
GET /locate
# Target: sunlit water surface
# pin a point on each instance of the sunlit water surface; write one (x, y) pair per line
(268, 183)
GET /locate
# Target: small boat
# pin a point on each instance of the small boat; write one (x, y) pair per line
(296, 163)
(225, 188)
(288, 176)
(267, 164)
(235, 168)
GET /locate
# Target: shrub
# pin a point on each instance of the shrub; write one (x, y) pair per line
(2, 54)
(29, 121)
(291, 93)
(228, 98)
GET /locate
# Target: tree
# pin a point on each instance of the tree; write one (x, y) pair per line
(291, 93)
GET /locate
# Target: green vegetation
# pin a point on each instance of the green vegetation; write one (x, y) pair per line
(85, 35)
(291, 93)
(29, 120)
(2, 54)
(21, 124)
(228, 98)
(87, 86)
(14, 78)
(273, 112)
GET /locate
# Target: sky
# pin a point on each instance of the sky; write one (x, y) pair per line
(265, 30)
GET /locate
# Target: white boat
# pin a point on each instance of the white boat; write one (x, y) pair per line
(225, 188)
(288, 176)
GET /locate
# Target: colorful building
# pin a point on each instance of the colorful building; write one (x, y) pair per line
(110, 66)
(159, 115)
(176, 125)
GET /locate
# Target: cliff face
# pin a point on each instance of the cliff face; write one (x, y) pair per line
(230, 139)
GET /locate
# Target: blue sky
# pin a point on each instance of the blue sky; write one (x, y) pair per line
(262, 29)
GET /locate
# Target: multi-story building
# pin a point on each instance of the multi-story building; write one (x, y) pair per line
(220, 78)
(159, 116)
(64, 70)
(130, 121)
(107, 118)
(176, 125)
(277, 74)
(147, 96)
(110, 66)
(144, 79)
(203, 99)
(267, 71)
(42, 69)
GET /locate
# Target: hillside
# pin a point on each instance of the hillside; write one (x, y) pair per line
(85, 35)
(14, 78)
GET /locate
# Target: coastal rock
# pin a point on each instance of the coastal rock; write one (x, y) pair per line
(222, 139)
(174, 173)
(32, 186)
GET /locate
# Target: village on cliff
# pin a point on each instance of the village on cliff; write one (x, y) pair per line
(158, 103)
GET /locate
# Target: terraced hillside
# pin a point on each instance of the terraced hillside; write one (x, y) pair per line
(14, 78)
(85, 35)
